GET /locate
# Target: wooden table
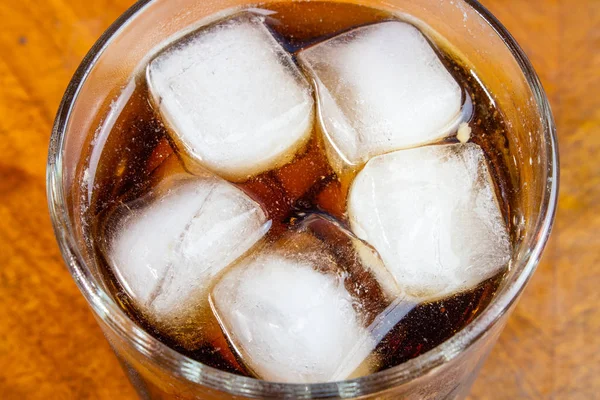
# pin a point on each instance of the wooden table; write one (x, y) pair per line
(50, 346)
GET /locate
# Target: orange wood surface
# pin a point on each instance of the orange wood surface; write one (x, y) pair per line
(50, 345)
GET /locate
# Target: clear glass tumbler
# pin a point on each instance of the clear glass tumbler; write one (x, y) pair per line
(446, 372)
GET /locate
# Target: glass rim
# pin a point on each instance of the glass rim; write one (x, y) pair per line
(186, 368)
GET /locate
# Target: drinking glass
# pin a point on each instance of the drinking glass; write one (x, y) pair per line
(447, 371)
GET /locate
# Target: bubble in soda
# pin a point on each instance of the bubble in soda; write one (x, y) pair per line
(299, 246)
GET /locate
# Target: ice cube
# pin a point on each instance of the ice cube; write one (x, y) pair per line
(381, 88)
(234, 99)
(433, 216)
(165, 247)
(287, 312)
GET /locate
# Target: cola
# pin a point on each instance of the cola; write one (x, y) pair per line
(305, 194)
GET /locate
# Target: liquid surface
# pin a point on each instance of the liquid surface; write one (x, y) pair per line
(137, 152)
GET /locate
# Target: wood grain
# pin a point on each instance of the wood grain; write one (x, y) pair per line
(50, 345)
